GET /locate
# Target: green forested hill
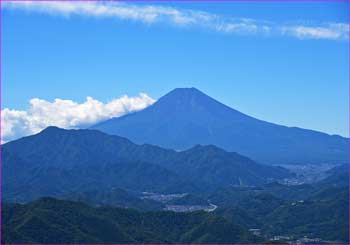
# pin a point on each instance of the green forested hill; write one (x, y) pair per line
(49, 220)
(324, 215)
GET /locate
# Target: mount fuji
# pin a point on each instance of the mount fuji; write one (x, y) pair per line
(186, 117)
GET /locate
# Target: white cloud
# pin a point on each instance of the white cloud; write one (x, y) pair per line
(66, 114)
(144, 13)
(180, 17)
(334, 31)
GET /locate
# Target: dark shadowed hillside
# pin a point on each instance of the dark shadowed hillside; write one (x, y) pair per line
(56, 162)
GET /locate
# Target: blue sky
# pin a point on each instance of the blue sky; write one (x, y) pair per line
(281, 62)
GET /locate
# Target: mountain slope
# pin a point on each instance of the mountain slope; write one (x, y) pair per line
(186, 117)
(50, 221)
(318, 210)
(324, 215)
(56, 162)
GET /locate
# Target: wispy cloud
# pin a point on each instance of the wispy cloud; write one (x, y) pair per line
(151, 14)
(334, 31)
(66, 114)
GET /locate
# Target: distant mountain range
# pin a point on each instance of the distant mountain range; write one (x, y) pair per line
(57, 162)
(186, 117)
(104, 170)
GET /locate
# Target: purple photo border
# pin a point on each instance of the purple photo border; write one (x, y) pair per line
(193, 1)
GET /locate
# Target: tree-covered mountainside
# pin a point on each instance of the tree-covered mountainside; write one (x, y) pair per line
(53, 221)
(325, 216)
(337, 177)
(56, 162)
(185, 117)
(322, 216)
(233, 195)
(318, 211)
